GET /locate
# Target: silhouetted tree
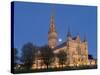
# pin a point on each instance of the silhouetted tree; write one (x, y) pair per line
(15, 59)
(15, 55)
(62, 57)
(28, 55)
(90, 56)
(47, 55)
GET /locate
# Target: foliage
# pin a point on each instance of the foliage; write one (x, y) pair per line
(15, 55)
(28, 55)
(47, 55)
(90, 56)
(62, 57)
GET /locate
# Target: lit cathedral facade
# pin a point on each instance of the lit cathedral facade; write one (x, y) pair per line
(75, 48)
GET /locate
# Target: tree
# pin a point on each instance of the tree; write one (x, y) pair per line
(47, 55)
(62, 57)
(28, 55)
(15, 55)
(15, 58)
(90, 56)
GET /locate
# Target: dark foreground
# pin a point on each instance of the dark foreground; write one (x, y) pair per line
(55, 69)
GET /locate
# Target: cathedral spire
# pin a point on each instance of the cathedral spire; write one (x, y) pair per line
(85, 39)
(69, 36)
(52, 34)
(52, 24)
(69, 33)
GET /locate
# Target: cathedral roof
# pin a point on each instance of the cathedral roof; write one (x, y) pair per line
(74, 38)
(60, 46)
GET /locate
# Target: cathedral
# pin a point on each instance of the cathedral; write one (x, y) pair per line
(75, 48)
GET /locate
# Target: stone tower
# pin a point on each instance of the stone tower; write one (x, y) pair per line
(68, 45)
(85, 51)
(52, 34)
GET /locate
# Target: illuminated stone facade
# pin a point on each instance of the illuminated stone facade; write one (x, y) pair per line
(75, 48)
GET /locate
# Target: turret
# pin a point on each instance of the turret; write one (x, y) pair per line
(85, 39)
(78, 38)
(69, 36)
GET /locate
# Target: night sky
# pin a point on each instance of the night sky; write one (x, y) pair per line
(32, 21)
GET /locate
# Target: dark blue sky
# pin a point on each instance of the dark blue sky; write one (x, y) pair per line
(32, 21)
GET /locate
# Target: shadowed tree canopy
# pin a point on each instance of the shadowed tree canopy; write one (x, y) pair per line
(62, 57)
(47, 54)
(15, 55)
(28, 54)
(90, 56)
